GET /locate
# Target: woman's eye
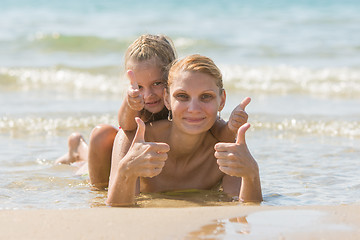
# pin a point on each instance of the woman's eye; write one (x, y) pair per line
(206, 97)
(140, 87)
(182, 97)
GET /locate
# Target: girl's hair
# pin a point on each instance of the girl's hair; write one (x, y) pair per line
(196, 63)
(149, 46)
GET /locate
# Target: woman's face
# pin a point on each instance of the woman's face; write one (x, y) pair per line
(194, 99)
(151, 85)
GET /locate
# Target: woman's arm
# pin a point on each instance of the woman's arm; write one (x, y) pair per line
(122, 186)
(251, 188)
(133, 158)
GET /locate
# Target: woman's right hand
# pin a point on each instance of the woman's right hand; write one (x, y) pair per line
(144, 159)
(134, 98)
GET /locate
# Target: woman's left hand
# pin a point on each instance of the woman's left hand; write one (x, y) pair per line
(235, 159)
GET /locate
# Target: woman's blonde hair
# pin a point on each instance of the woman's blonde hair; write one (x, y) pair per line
(196, 63)
(147, 47)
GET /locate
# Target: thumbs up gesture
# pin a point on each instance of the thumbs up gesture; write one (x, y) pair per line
(235, 159)
(238, 116)
(134, 98)
(145, 159)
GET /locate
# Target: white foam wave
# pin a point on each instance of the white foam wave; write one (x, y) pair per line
(286, 80)
(349, 129)
(51, 126)
(62, 78)
(327, 82)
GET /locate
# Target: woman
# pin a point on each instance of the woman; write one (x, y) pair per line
(182, 153)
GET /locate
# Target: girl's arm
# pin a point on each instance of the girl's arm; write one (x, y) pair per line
(131, 106)
(221, 131)
(226, 131)
(126, 116)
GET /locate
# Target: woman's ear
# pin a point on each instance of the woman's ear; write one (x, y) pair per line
(167, 99)
(222, 100)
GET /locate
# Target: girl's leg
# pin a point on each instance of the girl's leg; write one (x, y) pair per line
(100, 151)
(78, 150)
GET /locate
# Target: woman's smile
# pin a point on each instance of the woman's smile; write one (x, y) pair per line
(194, 120)
(195, 100)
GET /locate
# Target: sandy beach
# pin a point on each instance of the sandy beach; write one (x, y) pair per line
(233, 222)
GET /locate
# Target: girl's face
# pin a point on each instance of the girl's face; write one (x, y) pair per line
(151, 85)
(194, 99)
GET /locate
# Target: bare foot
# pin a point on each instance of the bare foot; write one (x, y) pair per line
(73, 155)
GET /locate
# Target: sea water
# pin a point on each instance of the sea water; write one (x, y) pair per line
(61, 70)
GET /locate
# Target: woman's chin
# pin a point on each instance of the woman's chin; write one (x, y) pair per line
(193, 128)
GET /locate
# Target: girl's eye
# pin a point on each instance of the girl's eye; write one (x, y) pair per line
(157, 83)
(206, 97)
(140, 87)
(182, 97)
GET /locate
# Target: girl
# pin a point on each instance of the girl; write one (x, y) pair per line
(146, 61)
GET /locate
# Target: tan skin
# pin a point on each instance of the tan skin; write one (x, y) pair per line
(180, 154)
(146, 91)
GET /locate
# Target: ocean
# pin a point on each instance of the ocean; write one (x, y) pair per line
(61, 70)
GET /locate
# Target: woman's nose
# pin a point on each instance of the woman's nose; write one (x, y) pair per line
(194, 105)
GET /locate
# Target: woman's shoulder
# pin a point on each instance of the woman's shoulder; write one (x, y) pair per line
(210, 138)
(157, 130)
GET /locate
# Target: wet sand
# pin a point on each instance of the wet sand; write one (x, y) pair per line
(229, 222)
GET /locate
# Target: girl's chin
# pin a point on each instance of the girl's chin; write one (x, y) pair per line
(154, 108)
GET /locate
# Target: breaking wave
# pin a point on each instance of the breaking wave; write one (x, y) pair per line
(327, 82)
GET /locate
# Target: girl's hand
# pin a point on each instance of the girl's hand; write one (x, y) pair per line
(134, 98)
(238, 116)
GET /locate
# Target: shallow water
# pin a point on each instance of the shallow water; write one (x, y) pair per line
(269, 225)
(61, 71)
